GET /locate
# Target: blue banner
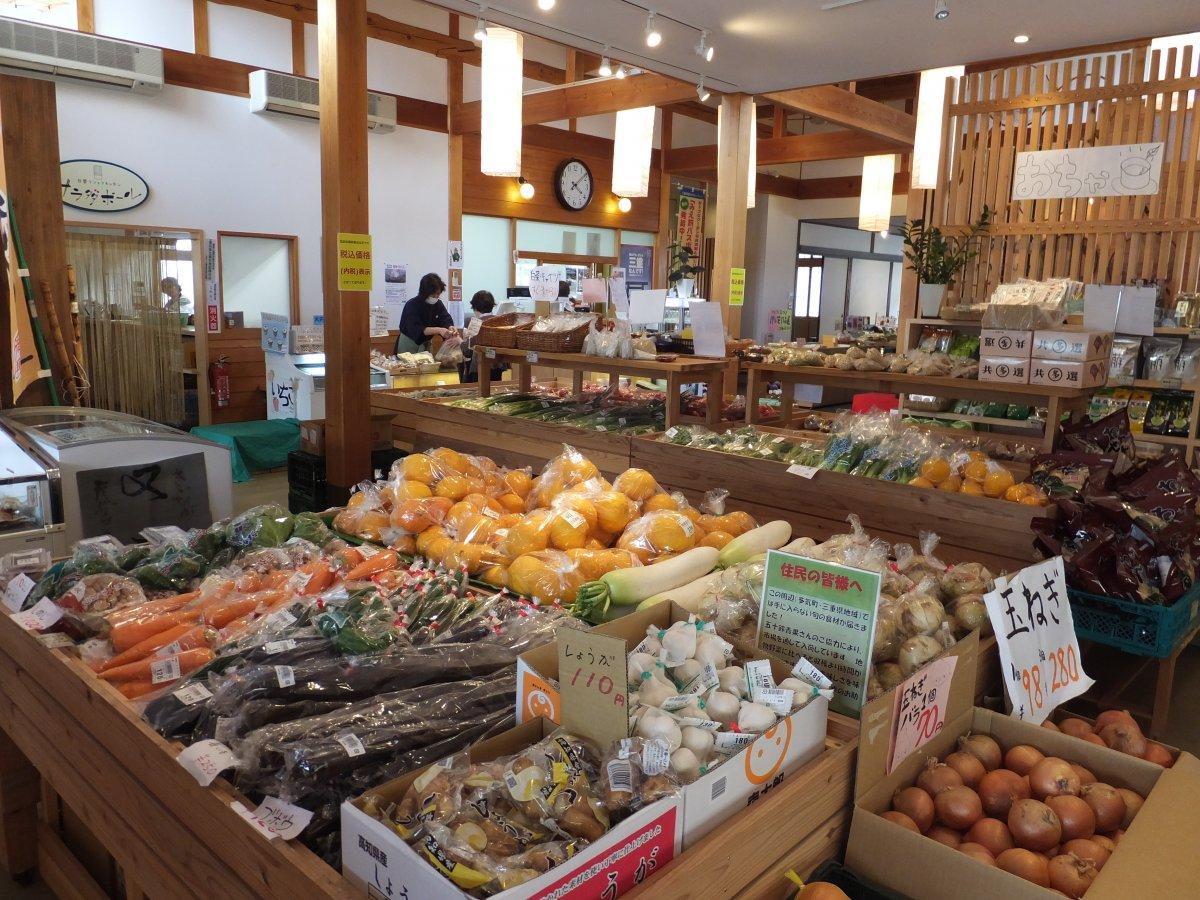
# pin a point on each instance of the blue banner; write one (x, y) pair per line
(638, 263)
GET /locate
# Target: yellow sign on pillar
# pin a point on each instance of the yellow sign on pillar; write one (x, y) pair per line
(737, 286)
(354, 262)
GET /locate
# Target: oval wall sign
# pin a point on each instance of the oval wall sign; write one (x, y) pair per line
(101, 186)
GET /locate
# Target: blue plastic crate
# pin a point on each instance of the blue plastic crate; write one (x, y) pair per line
(1137, 628)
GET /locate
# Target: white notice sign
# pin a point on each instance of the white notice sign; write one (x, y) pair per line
(1117, 171)
(543, 283)
(1039, 652)
(708, 328)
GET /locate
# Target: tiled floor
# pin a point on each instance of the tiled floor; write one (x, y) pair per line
(268, 487)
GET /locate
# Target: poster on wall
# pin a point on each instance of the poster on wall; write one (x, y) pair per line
(99, 186)
(638, 263)
(454, 255)
(689, 221)
(354, 261)
(1115, 171)
(395, 291)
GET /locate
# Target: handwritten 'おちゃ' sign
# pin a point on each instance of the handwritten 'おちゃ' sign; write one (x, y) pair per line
(1039, 652)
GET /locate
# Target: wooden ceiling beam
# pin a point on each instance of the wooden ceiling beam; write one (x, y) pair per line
(847, 186)
(841, 107)
(584, 98)
(795, 148)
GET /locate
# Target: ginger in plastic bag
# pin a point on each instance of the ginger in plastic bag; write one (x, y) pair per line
(635, 773)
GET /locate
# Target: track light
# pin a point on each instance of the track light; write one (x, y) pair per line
(546, 5)
(621, 73)
(624, 204)
(702, 92)
(704, 48)
(526, 189)
(606, 68)
(480, 25)
(653, 35)
(941, 10)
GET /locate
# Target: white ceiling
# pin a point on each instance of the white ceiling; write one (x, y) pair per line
(766, 45)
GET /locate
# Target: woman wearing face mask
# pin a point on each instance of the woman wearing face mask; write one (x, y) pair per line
(425, 317)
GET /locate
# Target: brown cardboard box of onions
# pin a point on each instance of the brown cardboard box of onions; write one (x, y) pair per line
(1156, 857)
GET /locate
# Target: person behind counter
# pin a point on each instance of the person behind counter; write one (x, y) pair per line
(425, 317)
(482, 306)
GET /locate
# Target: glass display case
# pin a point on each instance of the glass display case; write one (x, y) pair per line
(27, 519)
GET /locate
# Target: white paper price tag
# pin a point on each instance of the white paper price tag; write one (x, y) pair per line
(206, 760)
(41, 616)
(164, 670)
(490, 352)
(656, 757)
(777, 699)
(55, 640)
(351, 744)
(279, 620)
(191, 694)
(279, 646)
(18, 589)
(275, 818)
(730, 742)
(286, 676)
(806, 671)
(758, 678)
(531, 357)
(1039, 652)
(804, 471)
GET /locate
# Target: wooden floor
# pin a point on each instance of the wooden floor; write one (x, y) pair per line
(263, 488)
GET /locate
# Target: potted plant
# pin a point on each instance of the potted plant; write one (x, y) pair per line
(680, 271)
(937, 259)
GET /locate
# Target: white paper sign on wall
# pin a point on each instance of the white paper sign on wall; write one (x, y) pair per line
(1116, 171)
(543, 283)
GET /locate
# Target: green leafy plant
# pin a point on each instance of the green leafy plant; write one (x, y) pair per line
(679, 263)
(936, 258)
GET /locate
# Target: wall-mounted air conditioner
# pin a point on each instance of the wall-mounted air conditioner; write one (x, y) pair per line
(292, 95)
(40, 51)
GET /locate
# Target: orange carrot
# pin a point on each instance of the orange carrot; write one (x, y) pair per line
(134, 689)
(151, 607)
(374, 565)
(148, 646)
(221, 616)
(129, 634)
(320, 578)
(350, 557)
(189, 661)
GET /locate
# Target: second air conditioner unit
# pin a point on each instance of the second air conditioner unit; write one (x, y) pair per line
(292, 95)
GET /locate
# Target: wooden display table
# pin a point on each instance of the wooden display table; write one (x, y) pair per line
(708, 371)
(1057, 400)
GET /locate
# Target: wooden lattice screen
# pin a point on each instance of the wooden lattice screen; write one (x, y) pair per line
(1101, 100)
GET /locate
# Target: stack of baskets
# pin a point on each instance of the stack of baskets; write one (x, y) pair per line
(501, 331)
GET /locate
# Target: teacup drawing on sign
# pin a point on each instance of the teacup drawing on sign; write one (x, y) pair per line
(1137, 171)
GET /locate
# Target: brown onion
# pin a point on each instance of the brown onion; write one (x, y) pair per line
(1089, 849)
(1106, 842)
(1071, 875)
(944, 835)
(1022, 758)
(1125, 737)
(977, 852)
(968, 767)
(1107, 804)
(1158, 754)
(901, 819)
(1074, 727)
(1053, 777)
(1116, 834)
(1050, 726)
(936, 777)
(1133, 804)
(999, 789)
(958, 807)
(1085, 775)
(1034, 825)
(1077, 818)
(983, 748)
(1093, 739)
(992, 834)
(1111, 716)
(916, 804)
(1025, 864)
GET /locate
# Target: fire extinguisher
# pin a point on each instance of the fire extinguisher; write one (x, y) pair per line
(218, 380)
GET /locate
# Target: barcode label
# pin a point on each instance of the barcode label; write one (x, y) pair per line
(351, 744)
(279, 646)
(164, 670)
(279, 620)
(172, 649)
(620, 775)
(193, 693)
(718, 788)
(286, 676)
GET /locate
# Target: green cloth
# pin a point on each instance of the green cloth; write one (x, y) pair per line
(254, 446)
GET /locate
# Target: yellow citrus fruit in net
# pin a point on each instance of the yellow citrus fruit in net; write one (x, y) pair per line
(935, 469)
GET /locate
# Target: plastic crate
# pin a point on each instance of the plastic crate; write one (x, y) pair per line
(1137, 628)
(302, 501)
(382, 459)
(854, 887)
(306, 471)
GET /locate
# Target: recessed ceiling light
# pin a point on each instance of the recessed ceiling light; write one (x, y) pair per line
(1021, 39)
(546, 5)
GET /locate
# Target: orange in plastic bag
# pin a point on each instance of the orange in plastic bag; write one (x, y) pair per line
(658, 533)
(565, 471)
(636, 484)
(414, 516)
(546, 577)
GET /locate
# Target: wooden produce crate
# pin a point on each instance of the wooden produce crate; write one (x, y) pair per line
(994, 532)
(792, 823)
(423, 424)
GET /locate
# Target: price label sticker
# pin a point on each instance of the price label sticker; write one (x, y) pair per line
(171, 649)
(192, 694)
(275, 818)
(351, 744)
(277, 621)
(1039, 652)
(806, 671)
(164, 670)
(279, 646)
(286, 676)
(40, 616)
(803, 471)
(758, 678)
(16, 592)
(777, 699)
(55, 640)
(490, 352)
(919, 711)
(206, 760)
(731, 742)
(531, 357)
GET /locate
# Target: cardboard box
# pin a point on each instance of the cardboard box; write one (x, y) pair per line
(997, 342)
(916, 866)
(1069, 373)
(1072, 345)
(1011, 369)
(734, 784)
(312, 434)
(376, 860)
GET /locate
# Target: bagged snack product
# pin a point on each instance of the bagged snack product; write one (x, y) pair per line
(1187, 364)
(1161, 354)
(1123, 359)
(1139, 405)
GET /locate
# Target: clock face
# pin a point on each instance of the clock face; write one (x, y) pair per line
(573, 184)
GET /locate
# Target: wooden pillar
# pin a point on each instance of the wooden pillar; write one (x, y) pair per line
(29, 122)
(736, 128)
(200, 27)
(915, 209)
(454, 96)
(663, 238)
(342, 40)
(298, 62)
(571, 75)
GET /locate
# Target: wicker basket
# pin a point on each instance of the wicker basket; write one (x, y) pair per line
(501, 331)
(554, 341)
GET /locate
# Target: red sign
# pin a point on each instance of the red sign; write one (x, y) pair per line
(214, 320)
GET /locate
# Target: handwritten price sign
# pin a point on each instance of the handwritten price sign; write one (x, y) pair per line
(1039, 652)
(206, 760)
(593, 678)
(920, 708)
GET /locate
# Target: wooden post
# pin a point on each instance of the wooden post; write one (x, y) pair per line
(200, 27)
(454, 96)
(571, 76)
(663, 238)
(298, 63)
(18, 810)
(736, 127)
(342, 41)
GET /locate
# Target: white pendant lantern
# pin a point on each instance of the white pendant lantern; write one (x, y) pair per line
(752, 175)
(632, 148)
(931, 105)
(503, 83)
(875, 204)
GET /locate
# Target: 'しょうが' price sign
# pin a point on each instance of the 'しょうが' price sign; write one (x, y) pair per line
(824, 612)
(1039, 652)
(593, 679)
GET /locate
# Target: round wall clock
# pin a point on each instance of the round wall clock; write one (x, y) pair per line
(101, 186)
(573, 184)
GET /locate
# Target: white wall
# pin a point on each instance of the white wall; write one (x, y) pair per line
(770, 261)
(164, 23)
